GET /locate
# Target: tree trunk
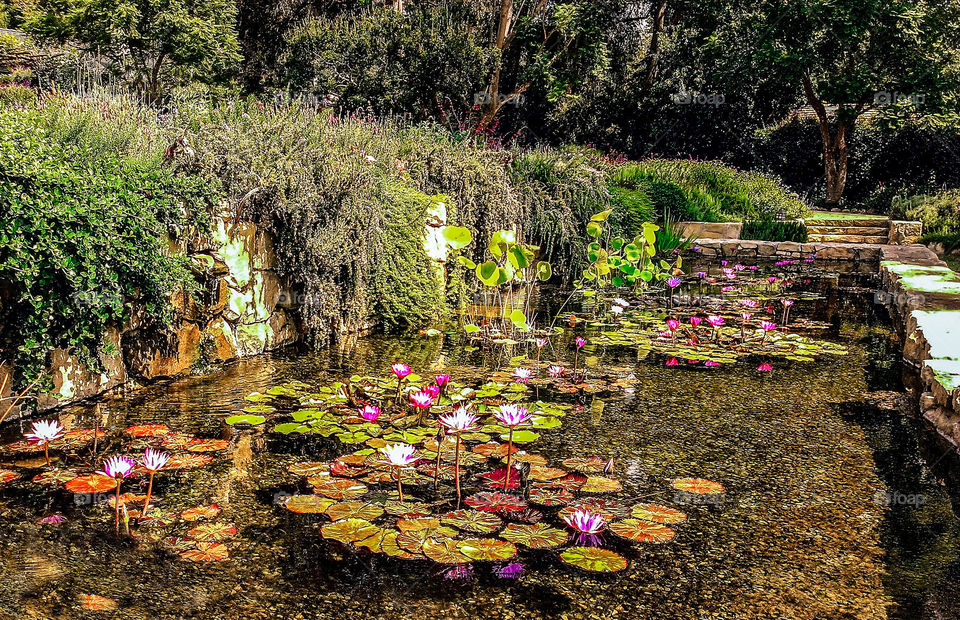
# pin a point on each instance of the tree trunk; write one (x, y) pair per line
(500, 43)
(834, 139)
(398, 6)
(653, 50)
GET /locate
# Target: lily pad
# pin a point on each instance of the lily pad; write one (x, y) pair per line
(475, 521)
(354, 510)
(639, 530)
(487, 549)
(349, 530)
(658, 513)
(698, 486)
(535, 536)
(308, 504)
(594, 559)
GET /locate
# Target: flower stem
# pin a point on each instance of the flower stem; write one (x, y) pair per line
(456, 467)
(399, 487)
(116, 509)
(506, 480)
(46, 452)
(146, 505)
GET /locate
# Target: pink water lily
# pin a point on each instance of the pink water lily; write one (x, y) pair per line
(695, 321)
(772, 279)
(370, 412)
(766, 326)
(673, 362)
(580, 341)
(785, 316)
(715, 320)
(764, 367)
(542, 342)
(739, 267)
(749, 303)
(118, 468)
(433, 390)
(422, 399)
(54, 519)
(556, 371)
(673, 324)
(461, 420)
(398, 456)
(153, 461)
(521, 374)
(711, 363)
(442, 382)
(511, 416)
(587, 526)
(401, 370)
(673, 282)
(43, 432)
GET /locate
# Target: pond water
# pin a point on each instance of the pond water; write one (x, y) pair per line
(817, 520)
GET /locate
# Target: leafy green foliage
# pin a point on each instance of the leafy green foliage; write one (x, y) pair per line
(83, 232)
(773, 230)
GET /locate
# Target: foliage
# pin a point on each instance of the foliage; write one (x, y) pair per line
(616, 262)
(774, 230)
(939, 212)
(139, 36)
(11, 94)
(706, 191)
(390, 62)
(83, 231)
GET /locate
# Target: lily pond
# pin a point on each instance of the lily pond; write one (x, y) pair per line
(666, 460)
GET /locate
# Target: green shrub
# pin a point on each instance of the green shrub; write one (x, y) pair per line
(773, 230)
(83, 232)
(11, 94)
(939, 212)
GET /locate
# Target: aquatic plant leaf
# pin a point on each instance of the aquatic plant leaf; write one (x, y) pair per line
(599, 484)
(487, 549)
(492, 449)
(526, 515)
(546, 421)
(535, 460)
(657, 513)
(550, 497)
(594, 559)
(475, 521)
(188, 461)
(495, 502)
(414, 540)
(570, 482)
(522, 436)
(354, 510)
(252, 420)
(213, 532)
(177, 441)
(607, 508)
(389, 546)
(293, 427)
(8, 475)
(178, 543)
(207, 445)
(349, 530)
(444, 550)
(257, 397)
(93, 483)
(585, 465)
(259, 409)
(535, 536)
(200, 512)
(95, 602)
(698, 486)
(308, 504)
(206, 552)
(156, 516)
(21, 447)
(147, 430)
(341, 488)
(308, 468)
(407, 509)
(639, 530)
(544, 474)
(418, 523)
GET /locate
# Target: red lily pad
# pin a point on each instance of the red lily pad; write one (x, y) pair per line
(95, 602)
(213, 532)
(527, 515)
(475, 521)
(8, 475)
(207, 552)
(93, 483)
(496, 502)
(147, 430)
(200, 512)
(585, 465)
(52, 476)
(206, 445)
(698, 486)
(177, 441)
(188, 461)
(550, 497)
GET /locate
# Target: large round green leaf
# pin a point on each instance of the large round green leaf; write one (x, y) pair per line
(457, 237)
(594, 559)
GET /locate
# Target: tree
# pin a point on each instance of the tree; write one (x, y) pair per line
(842, 58)
(143, 38)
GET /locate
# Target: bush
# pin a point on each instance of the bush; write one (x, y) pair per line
(16, 94)
(83, 231)
(939, 212)
(772, 230)
(708, 191)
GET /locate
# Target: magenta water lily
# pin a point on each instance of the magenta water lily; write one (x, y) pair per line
(370, 412)
(511, 416)
(587, 526)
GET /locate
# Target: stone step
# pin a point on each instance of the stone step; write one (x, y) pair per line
(875, 239)
(849, 230)
(865, 221)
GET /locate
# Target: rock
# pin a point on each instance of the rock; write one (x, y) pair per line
(164, 354)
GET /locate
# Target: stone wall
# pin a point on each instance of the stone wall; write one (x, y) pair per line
(905, 233)
(736, 249)
(243, 309)
(711, 230)
(923, 295)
